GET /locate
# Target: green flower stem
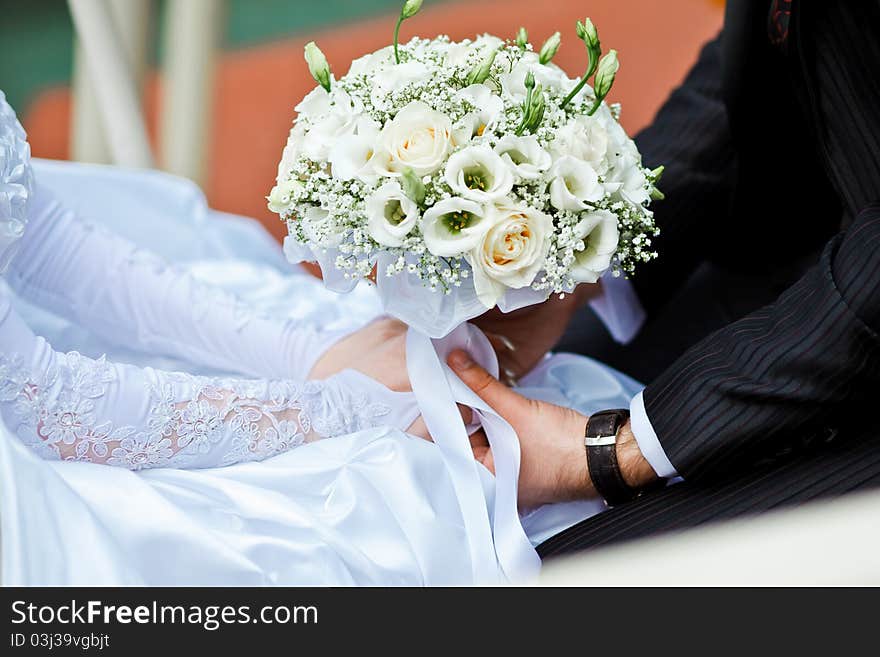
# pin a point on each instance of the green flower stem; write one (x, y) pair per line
(592, 65)
(596, 105)
(396, 34)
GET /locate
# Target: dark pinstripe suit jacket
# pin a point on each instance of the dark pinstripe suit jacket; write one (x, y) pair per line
(771, 150)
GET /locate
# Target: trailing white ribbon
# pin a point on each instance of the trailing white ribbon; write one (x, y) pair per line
(500, 549)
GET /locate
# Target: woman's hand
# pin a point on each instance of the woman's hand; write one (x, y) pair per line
(378, 350)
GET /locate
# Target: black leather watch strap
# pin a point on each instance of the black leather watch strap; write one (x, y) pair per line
(600, 441)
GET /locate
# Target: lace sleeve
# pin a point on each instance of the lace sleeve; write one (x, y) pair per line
(132, 297)
(68, 406)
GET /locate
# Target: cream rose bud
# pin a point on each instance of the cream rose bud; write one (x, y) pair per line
(419, 138)
(281, 195)
(524, 156)
(598, 230)
(391, 215)
(574, 184)
(511, 252)
(453, 226)
(478, 173)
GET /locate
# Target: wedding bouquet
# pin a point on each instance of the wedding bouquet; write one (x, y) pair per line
(476, 169)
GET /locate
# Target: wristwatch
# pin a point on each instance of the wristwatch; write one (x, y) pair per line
(600, 442)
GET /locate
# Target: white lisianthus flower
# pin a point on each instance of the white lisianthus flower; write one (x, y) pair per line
(351, 156)
(418, 138)
(478, 173)
(385, 82)
(316, 103)
(474, 124)
(292, 151)
(453, 226)
(574, 184)
(368, 63)
(626, 177)
(598, 230)
(523, 156)
(512, 251)
(585, 138)
(465, 52)
(548, 76)
(320, 229)
(391, 215)
(281, 195)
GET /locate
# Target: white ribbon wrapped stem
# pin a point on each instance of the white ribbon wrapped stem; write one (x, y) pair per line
(500, 549)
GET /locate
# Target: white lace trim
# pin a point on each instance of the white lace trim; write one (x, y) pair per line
(16, 181)
(196, 421)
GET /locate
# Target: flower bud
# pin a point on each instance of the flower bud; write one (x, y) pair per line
(480, 73)
(550, 48)
(605, 74)
(530, 80)
(657, 173)
(587, 33)
(535, 110)
(413, 187)
(318, 66)
(522, 38)
(411, 8)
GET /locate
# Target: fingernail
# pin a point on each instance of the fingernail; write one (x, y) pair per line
(460, 360)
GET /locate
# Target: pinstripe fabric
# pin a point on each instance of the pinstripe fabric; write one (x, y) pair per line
(831, 472)
(736, 412)
(747, 392)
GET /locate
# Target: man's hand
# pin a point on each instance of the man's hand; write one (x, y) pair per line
(523, 337)
(553, 465)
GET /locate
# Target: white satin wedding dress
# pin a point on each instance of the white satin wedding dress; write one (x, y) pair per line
(174, 343)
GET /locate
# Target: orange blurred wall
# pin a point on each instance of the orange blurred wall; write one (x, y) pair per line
(257, 88)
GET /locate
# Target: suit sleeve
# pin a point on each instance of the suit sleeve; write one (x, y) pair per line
(691, 138)
(806, 364)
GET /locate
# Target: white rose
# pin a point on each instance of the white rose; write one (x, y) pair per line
(574, 184)
(489, 107)
(598, 230)
(351, 156)
(281, 195)
(585, 138)
(320, 229)
(419, 138)
(342, 119)
(391, 215)
(524, 156)
(511, 252)
(396, 77)
(479, 174)
(453, 226)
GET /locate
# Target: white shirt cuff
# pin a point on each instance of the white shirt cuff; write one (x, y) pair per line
(647, 439)
(619, 308)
